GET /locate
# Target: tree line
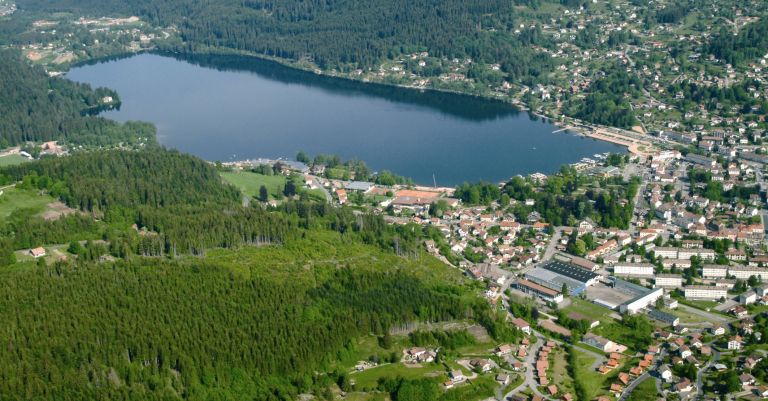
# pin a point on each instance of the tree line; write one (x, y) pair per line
(38, 108)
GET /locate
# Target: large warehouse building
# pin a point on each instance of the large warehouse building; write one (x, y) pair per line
(554, 274)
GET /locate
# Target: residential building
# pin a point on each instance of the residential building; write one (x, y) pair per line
(38, 252)
(699, 292)
(734, 343)
(745, 272)
(714, 271)
(522, 325)
(598, 342)
(633, 269)
(669, 280)
(748, 298)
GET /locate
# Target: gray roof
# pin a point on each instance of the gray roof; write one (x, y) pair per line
(662, 316)
(568, 270)
(358, 185)
(552, 280)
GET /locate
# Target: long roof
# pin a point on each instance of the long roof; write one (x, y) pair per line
(568, 270)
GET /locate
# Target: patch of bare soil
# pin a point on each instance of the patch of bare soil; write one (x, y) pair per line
(56, 210)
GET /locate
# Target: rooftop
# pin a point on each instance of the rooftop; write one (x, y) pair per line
(568, 270)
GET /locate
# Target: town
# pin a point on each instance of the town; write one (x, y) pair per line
(627, 276)
(690, 261)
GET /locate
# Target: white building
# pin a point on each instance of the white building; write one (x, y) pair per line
(669, 280)
(748, 298)
(704, 254)
(714, 271)
(665, 252)
(633, 269)
(734, 343)
(679, 263)
(745, 272)
(642, 301)
(705, 292)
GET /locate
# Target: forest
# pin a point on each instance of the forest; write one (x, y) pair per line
(337, 34)
(180, 291)
(750, 43)
(36, 107)
(161, 330)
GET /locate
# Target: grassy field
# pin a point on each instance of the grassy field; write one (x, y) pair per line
(646, 391)
(478, 389)
(685, 316)
(368, 379)
(322, 252)
(249, 183)
(53, 253)
(558, 372)
(589, 310)
(14, 199)
(10, 160)
(703, 305)
(592, 381)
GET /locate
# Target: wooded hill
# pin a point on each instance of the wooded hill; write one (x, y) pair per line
(36, 107)
(259, 313)
(336, 32)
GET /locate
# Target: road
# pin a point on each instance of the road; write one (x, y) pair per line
(530, 368)
(700, 373)
(708, 317)
(319, 183)
(551, 247)
(632, 385)
(629, 172)
(628, 391)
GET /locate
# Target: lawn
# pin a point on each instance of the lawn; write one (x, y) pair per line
(590, 379)
(685, 316)
(14, 199)
(703, 305)
(11, 160)
(589, 310)
(646, 391)
(479, 389)
(249, 183)
(368, 379)
(558, 372)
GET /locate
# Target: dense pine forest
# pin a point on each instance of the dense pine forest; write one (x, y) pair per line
(180, 291)
(158, 330)
(36, 107)
(335, 33)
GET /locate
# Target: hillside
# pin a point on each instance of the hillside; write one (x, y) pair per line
(197, 329)
(36, 107)
(245, 303)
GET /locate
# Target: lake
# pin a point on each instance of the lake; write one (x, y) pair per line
(233, 108)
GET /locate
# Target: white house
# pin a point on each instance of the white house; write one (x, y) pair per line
(522, 325)
(748, 298)
(734, 343)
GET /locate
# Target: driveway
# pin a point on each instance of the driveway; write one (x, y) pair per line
(530, 368)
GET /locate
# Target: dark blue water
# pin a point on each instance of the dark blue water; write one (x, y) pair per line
(228, 108)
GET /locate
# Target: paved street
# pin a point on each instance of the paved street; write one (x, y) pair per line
(530, 368)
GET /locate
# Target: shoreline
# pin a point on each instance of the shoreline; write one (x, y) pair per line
(614, 135)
